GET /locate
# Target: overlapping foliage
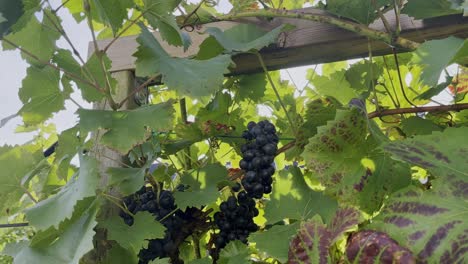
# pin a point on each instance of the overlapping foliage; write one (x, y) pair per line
(354, 183)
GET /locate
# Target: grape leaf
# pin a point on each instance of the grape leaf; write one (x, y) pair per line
(275, 241)
(186, 76)
(440, 153)
(160, 261)
(128, 180)
(73, 241)
(110, 12)
(235, 252)
(431, 223)
(335, 85)
(125, 129)
(334, 154)
(87, 72)
(16, 162)
(292, 198)
(43, 46)
(134, 237)
(421, 9)
(250, 87)
(40, 104)
(244, 37)
(362, 11)
(55, 209)
(376, 247)
(203, 186)
(118, 254)
(415, 125)
(314, 239)
(436, 55)
(311, 243)
(67, 148)
(159, 15)
(10, 13)
(201, 261)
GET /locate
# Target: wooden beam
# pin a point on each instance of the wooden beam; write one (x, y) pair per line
(309, 43)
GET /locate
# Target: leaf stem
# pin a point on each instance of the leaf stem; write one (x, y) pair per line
(293, 127)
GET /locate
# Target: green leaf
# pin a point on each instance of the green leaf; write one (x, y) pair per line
(57, 208)
(186, 76)
(250, 87)
(244, 37)
(74, 240)
(436, 55)
(128, 180)
(41, 95)
(362, 11)
(203, 186)
(387, 176)
(110, 12)
(293, 199)
(125, 129)
(335, 86)
(118, 254)
(134, 237)
(16, 162)
(275, 241)
(415, 125)
(91, 72)
(433, 91)
(235, 252)
(421, 9)
(43, 46)
(201, 261)
(334, 154)
(160, 261)
(442, 153)
(376, 247)
(431, 223)
(67, 148)
(10, 12)
(159, 15)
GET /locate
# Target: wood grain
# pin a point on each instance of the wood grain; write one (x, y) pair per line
(308, 43)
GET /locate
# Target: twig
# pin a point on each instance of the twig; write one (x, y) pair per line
(60, 6)
(72, 75)
(123, 31)
(383, 18)
(430, 109)
(293, 127)
(139, 88)
(13, 225)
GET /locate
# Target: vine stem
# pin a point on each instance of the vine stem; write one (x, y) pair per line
(293, 127)
(327, 19)
(430, 109)
(53, 66)
(13, 225)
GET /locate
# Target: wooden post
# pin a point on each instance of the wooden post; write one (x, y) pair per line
(108, 158)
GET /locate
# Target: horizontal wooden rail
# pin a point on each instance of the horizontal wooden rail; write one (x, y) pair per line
(309, 43)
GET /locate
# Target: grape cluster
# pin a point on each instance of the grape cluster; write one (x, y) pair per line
(257, 158)
(235, 220)
(146, 199)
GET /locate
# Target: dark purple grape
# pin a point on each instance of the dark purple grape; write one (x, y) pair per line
(251, 124)
(270, 149)
(236, 187)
